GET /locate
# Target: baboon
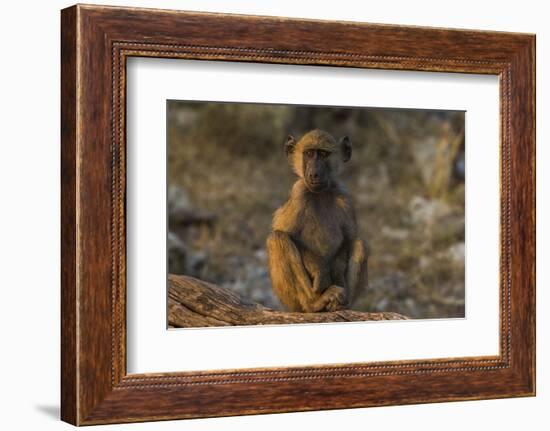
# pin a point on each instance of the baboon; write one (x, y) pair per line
(316, 260)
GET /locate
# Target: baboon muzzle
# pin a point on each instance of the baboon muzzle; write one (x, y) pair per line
(316, 175)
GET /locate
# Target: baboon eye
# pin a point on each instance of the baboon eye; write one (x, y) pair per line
(324, 154)
(309, 153)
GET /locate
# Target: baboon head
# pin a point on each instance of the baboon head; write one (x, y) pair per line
(317, 158)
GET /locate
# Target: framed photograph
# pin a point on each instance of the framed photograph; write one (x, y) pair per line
(264, 214)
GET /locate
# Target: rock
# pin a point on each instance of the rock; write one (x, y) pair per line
(396, 284)
(261, 255)
(427, 211)
(182, 213)
(424, 262)
(181, 259)
(395, 233)
(177, 199)
(177, 253)
(252, 281)
(456, 252)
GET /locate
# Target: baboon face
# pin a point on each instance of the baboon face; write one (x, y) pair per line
(317, 158)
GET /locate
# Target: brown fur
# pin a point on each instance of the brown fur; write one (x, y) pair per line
(316, 260)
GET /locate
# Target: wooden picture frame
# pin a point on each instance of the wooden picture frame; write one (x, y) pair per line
(95, 43)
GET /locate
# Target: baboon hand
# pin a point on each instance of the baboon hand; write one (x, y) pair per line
(336, 298)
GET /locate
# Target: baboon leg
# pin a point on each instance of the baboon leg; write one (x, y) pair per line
(357, 269)
(292, 283)
(290, 280)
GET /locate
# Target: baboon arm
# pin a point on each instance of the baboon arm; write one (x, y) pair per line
(356, 275)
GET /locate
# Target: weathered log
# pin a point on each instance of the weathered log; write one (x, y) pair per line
(195, 303)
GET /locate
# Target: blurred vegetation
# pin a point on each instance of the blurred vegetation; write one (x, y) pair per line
(227, 173)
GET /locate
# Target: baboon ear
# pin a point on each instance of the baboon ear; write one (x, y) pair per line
(345, 143)
(290, 145)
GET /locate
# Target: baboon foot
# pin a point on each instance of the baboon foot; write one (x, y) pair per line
(334, 299)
